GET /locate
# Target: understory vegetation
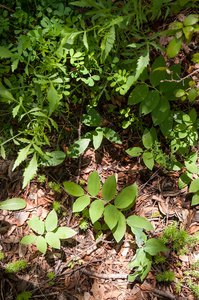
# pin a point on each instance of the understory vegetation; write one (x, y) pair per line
(56, 59)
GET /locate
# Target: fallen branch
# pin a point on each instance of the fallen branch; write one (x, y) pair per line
(148, 288)
(173, 80)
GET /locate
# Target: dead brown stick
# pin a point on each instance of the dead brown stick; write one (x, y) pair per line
(7, 8)
(148, 288)
(173, 80)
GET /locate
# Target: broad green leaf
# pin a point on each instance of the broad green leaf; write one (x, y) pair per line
(111, 135)
(193, 115)
(191, 19)
(174, 47)
(96, 210)
(5, 53)
(22, 155)
(93, 185)
(165, 86)
(53, 99)
(149, 137)
(107, 43)
(41, 244)
(81, 203)
(160, 113)
(194, 186)
(139, 222)
(36, 224)
(30, 171)
(157, 76)
(76, 149)
(137, 259)
(149, 103)
(135, 151)
(55, 158)
(142, 63)
(65, 233)
(73, 188)
(13, 204)
(120, 228)
(28, 239)
(195, 199)
(148, 159)
(191, 167)
(195, 58)
(192, 157)
(175, 166)
(109, 188)
(167, 125)
(3, 154)
(97, 137)
(92, 118)
(52, 240)
(140, 236)
(111, 216)
(51, 221)
(154, 246)
(138, 94)
(126, 197)
(184, 179)
(192, 135)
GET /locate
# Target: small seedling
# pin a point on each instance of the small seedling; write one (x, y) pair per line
(51, 277)
(57, 206)
(42, 178)
(16, 266)
(24, 296)
(166, 276)
(56, 187)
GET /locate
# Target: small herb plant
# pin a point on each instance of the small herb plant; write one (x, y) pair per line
(166, 276)
(52, 234)
(24, 296)
(56, 187)
(16, 266)
(51, 276)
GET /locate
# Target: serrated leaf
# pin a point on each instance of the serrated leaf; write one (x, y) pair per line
(5, 53)
(30, 171)
(76, 149)
(126, 197)
(52, 240)
(81, 203)
(73, 188)
(93, 185)
(148, 160)
(184, 179)
(109, 188)
(195, 199)
(51, 221)
(97, 137)
(194, 186)
(120, 229)
(174, 47)
(3, 154)
(138, 94)
(135, 151)
(28, 239)
(139, 222)
(41, 244)
(149, 103)
(111, 216)
(92, 118)
(157, 76)
(13, 204)
(96, 210)
(22, 155)
(154, 246)
(160, 113)
(142, 63)
(36, 224)
(111, 135)
(53, 99)
(65, 233)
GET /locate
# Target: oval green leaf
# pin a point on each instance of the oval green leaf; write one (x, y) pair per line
(96, 210)
(28, 239)
(139, 222)
(111, 135)
(154, 246)
(160, 113)
(81, 203)
(138, 94)
(36, 224)
(194, 186)
(73, 188)
(76, 149)
(174, 47)
(135, 151)
(65, 233)
(184, 179)
(120, 229)
(97, 137)
(51, 221)
(52, 240)
(93, 185)
(126, 197)
(195, 199)
(148, 160)
(111, 216)
(41, 244)
(13, 204)
(109, 188)
(149, 103)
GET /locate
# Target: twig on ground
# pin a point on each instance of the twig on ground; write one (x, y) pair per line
(173, 80)
(148, 288)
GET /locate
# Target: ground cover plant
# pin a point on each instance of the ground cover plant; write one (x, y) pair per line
(62, 67)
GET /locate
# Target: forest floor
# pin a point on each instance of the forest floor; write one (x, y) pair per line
(86, 269)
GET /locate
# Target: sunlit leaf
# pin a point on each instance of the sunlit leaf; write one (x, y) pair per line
(51, 221)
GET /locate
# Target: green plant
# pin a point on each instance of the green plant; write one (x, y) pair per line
(159, 259)
(13, 204)
(16, 266)
(183, 31)
(92, 119)
(83, 224)
(2, 255)
(55, 186)
(51, 276)
(24, 296)
(194, 287)
(52, 234)
(57, 206)
(42, 178)
(166, 276)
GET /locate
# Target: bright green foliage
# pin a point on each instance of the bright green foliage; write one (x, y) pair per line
(16, 266)
(159, 259)
(2, 255)
(165, 276)
(55, 186)
(24, 296)
(57, 206)
(42, 178)
(83, 224)
(52, 234)
(13, 204)
(51, 276)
